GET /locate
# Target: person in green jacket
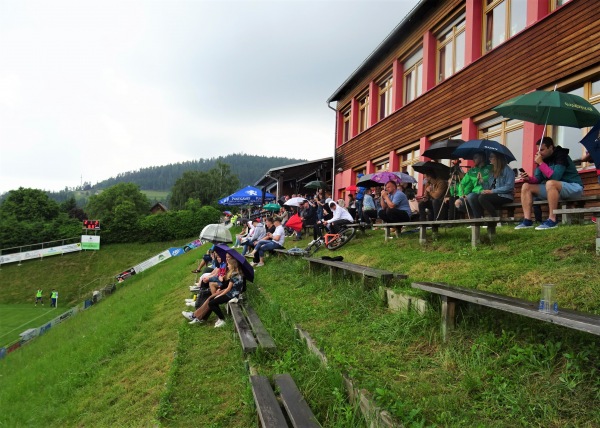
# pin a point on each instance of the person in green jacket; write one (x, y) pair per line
(39, 298)
(472, 185)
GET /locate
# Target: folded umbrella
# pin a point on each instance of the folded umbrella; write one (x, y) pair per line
(468, 149)
(247, 269)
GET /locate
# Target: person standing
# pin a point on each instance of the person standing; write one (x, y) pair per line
(39, 298)
(53, 298)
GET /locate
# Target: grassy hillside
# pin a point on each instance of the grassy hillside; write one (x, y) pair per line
(133, 360)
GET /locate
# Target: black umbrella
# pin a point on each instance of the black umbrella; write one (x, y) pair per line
(435, 169)
(442, 149)
(248, 270)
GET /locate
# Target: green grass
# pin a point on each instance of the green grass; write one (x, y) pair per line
(133, 360)
(17, 318)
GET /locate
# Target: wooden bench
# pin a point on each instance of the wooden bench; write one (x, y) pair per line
(563, 204)
(271, 414)
(250, 329)
(450, 294)
(581, 212)
(367, 272)
(475, 224)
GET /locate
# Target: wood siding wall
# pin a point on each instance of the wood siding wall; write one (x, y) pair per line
(563, 44)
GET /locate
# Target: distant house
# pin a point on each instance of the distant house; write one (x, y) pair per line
(158, 208)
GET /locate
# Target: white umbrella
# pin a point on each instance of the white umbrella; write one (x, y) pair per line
(294, 202)
(216, 233)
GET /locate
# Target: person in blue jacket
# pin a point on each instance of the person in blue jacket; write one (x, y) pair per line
(500, 187)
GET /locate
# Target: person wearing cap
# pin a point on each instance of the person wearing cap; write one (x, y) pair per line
(394, 204)
(273, 241)
(340, 217)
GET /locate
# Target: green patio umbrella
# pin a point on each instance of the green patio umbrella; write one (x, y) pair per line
(317, 184)
(550, 108)
(272, 207)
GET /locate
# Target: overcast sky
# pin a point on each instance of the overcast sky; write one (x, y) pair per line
(92, 89)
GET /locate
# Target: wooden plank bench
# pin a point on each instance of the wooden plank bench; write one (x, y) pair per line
(367, 272)
(450, 294)
(475, 224)
(250, 329)
(563, 204)
(581, 212)
(270, 413)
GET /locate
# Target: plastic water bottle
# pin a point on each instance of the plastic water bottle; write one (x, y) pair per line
(548, 303)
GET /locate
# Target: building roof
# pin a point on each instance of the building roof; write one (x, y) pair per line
(383, 50)
(296, 171)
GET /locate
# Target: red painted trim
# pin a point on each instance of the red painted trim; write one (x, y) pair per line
(373, 103)
(370, 167)
(398, 84)
(531, 133)
(394, 161)
(429, 53)
(536, 10)
(474, 31)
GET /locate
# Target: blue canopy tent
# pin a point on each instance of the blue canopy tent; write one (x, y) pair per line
(247, 196)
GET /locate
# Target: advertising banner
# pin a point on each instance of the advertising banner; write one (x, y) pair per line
(43, 252)
(153, 261)
(176, 251)
(90, 242)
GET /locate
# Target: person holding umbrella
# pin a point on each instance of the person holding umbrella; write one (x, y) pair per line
(500, 188)
(554, 178)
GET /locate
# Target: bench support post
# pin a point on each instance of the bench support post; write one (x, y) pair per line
(475, 235)
(448, 316)
(422, 235)
(597, 238)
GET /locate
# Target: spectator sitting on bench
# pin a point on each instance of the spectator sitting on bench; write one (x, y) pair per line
(456, 175)
(555, 178)
(215, 278)
(234, 280)
(309, 216)
(240, 236)
(394, 204)
(369, 210)
(500, 188)
(207, 261)
(471, 186)
(257, 234)
(272, 241)
(433, 200)
(340, 217)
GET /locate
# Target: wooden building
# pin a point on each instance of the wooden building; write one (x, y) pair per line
(447, 64)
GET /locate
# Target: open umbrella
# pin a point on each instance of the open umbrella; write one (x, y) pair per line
(294, 202)
(247, 270)
(550, 108)
(471, 147)
(380, 178)
(442, 149)
(316, 184)
(227, 213)
(272, 207)
(435, 169)
(351, 188)
(216, 233)
(294, 223)
(592, 143)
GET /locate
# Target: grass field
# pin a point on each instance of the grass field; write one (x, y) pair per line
(133, 360)
(16, 318)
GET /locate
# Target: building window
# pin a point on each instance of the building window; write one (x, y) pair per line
(382, 166)
(413, 76)
(503, 19)
(569, 138)
(346, 126)
(509, 133)
(408, 157)
(451, 49)
(385, 96)
(360, 170)
(555, 4)
(363, 113)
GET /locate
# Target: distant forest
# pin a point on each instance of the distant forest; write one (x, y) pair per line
(248, 168)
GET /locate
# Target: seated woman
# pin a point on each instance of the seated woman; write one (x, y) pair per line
(243, 234)
(500, 187)
(234, 280)
(215, 278)
(433, 200)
